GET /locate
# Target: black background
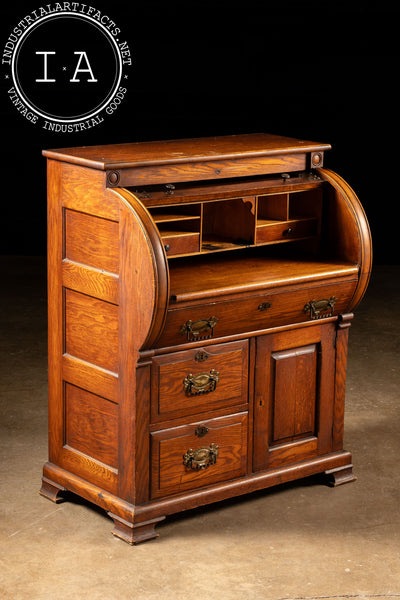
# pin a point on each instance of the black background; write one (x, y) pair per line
(323, 71)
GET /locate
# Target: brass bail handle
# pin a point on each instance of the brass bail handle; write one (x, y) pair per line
(318, 309)
(201, 458)
(203, 383)
(202, 329)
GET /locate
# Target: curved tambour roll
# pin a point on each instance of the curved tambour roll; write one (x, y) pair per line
(349, 236)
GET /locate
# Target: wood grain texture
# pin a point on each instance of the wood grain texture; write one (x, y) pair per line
(170, 475)
(193, 171)
(274, 206)
(244, 315)
(349, 232)
(169, 398)
(89, 469)
(84, 190)
(79, 190)
(142, 437)
(170, 152)
(242, 485)
(134, 533)
(156, 267)
(194, 498)
(209, 277)
(98, 494)
(90, 377)
(91, 425)
(294, 396)
(340, 379)
(240, 225)
(91, 330)
(55, 309)
(137, 300)
(285, 231)
(253, 220)
(179, 243)
(121, 413)
(92, 241)
(89, 281)
(292, 452)
(209, 191)
(294, 393)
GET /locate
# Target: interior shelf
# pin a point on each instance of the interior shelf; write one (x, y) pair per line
(215, 244)
(166, 218)
(222, 224)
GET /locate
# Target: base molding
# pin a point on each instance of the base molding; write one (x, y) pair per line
(136, 523)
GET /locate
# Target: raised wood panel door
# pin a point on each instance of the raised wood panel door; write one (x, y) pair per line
(294, 393)
(294, 396)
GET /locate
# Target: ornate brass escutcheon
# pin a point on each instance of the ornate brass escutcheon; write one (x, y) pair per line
(318, 309)
(201, 458)
(199, 330)
(201, 430)
(203, 383)
(201, 356)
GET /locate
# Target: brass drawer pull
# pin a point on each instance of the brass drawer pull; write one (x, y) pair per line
(318, 309)
(203, 383)
(199, 330)
(201, 458)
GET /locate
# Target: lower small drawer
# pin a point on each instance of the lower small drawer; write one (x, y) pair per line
(198, 454)
(178, 242)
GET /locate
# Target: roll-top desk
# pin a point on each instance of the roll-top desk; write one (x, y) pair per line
(200, 296)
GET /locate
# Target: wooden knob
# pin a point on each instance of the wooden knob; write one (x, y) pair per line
(316, 159)
(113, 177)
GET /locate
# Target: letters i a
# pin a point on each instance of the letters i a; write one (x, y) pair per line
(78, 69)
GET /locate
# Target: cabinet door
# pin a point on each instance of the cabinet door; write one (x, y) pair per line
(294, 396)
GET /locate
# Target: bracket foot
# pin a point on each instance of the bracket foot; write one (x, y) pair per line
(340, 475)
(50, 490)
(134, 533)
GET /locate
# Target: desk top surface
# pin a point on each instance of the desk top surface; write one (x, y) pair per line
(122, 156)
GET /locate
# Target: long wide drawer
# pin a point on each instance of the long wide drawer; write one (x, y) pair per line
(260, 311)
(194, 381)
(198, 454)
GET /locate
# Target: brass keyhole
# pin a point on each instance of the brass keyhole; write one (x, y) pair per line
(201, 431)
(264, 306)
(201, 356)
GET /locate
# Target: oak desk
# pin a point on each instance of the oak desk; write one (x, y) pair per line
(200, 294)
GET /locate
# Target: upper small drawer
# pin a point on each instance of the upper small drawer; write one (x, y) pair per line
(194, 381)
(271, 231)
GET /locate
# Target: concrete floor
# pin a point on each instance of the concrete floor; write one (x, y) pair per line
(303, 540)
